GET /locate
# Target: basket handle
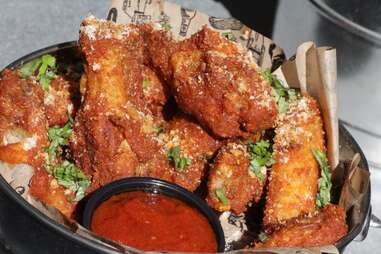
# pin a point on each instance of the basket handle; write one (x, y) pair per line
(375, 222)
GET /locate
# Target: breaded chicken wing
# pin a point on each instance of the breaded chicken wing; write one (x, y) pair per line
(214, 82)
(23, 136)
(293, 181)
(231, 185)
(323, 227)
(23, 128)
(115, 133)
(112, 102)
(182, 159)
(195, 144)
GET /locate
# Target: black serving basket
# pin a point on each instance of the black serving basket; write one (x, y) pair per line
(24, 229)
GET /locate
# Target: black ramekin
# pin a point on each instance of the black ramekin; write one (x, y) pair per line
(153, 185)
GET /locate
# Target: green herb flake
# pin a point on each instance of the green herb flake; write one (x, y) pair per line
(167, 26)
(324, 183)
(45, 66)
(230, 36)
(263, 237)
(260, 155)
(65, 172)
(220, 193)
(283, 95)
(29, 68)
(72, 178)
(58, 136)
(179, 162)
(159, 130)
(146, 83)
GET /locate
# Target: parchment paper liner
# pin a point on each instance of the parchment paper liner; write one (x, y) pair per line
(312, 69)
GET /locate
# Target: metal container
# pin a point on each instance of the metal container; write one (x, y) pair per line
(26, 230)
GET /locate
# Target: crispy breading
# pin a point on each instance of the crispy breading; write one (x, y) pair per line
(230, 174)
(60, 101)
(116, 111)
(159, 47)
(293, 181)
(194, 143)
(113, 54)
(23, 136)
(45, 188)
(216, 83)
(155, 91)
(324, 227)
(23, 129)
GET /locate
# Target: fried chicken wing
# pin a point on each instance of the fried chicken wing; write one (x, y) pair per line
(230, 175)
(23, 129)
(159, 47)
(216, 84)
(293, 181)
(324, 227)
(194, 145)
(113, 54)
(23, 135)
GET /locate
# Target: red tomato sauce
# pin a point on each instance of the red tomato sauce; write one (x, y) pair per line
(153, 222)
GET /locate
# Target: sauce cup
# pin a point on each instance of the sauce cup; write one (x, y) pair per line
(155, 186)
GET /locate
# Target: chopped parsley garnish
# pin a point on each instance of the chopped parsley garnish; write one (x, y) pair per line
(159, 130)
(221, 196)
(229, 35)
(72, 178)
(167, 26)
(146, 83)
(65, 172)
(29, 68)
(283, 95)
(260, 155)
(44, 67)
(179, 162)
(58, 136)
(263, 237)
(324, 183)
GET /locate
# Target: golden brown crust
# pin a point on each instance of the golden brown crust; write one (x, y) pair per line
(219, 87)
(194, 143)
(45, 188)
(324, 227)
(59, 101)
(159, 47)
(292, 187)
(116, 112)
(230, 173)
(21, 115)
(155, 91)
(113, 54)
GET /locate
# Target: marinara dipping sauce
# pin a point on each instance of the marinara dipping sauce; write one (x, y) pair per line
(153, 222)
